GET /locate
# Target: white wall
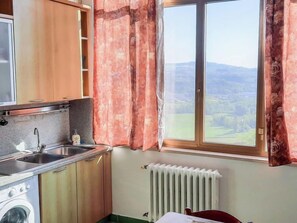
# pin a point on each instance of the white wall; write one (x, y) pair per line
(251, 191)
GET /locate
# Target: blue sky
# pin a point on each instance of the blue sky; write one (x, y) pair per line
(232, 33)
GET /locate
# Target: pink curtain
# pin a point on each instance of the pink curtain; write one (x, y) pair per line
(281, 81)
(125, 77)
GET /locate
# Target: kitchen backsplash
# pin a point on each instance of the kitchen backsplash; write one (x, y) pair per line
(81, 113)
(53, 128)
(18, 135)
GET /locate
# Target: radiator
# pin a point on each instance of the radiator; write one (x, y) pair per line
(173, 188)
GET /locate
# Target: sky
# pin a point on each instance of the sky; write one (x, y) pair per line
(231, 33)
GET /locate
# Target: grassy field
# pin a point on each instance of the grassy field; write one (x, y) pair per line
(182, 126)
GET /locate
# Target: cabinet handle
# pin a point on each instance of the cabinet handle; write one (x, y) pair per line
(93, 158)
(60, 169)
(90, 159)
(36, 100)
(66, 98)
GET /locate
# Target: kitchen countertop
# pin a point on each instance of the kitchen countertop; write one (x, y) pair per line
(5, 180)
(13, 170)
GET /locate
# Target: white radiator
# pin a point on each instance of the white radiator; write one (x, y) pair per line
(173, 188)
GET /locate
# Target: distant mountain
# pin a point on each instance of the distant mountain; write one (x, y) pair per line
(221, 81)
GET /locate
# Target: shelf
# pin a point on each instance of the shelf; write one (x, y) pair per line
(5, 16)
(86, 67)
(84, 24)
(86, 90)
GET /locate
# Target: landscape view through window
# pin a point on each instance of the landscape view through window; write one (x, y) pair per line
(230, 76)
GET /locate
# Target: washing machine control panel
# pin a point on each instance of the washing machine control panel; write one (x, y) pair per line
(14, 191)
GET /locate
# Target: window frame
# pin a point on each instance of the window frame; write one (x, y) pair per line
(198, 144)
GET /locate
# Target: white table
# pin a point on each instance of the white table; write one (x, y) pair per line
(172, 217)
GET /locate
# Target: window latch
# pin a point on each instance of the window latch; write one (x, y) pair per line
(261, 133)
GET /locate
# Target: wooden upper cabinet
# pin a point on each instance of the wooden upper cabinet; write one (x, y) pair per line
(58, 195)
(33, 50)
(66, 57)
(47, 47)
(90, 189)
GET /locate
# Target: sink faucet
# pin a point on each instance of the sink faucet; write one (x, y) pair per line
(41, 147)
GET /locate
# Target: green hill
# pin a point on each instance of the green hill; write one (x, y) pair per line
(229, 102)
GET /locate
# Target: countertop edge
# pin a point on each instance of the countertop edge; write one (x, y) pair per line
(6, 180)
(42, 168)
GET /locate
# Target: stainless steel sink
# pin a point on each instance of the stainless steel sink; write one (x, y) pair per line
(41, 158)
(54, 154)
(68, 150)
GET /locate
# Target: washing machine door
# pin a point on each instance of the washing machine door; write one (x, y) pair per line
(17, 211)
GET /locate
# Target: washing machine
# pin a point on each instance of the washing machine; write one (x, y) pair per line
(19, 202)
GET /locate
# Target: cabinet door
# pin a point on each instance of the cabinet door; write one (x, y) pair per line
(7, 83)
(58, 195)
(34, 50)
(90, 190)
(67, 62)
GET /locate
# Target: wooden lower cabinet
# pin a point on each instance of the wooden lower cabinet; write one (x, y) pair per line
(90, 189)
(58, 195)
(80, 192)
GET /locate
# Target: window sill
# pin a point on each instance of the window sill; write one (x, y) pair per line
(258, 159)
(216, 155)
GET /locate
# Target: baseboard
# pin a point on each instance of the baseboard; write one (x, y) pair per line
(121, 219)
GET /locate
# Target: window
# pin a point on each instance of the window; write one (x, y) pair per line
(213, 75)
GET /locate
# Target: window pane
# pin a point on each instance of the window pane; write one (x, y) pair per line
(230, 103)
(180, 56)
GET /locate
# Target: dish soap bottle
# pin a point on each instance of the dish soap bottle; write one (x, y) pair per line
(75, 138)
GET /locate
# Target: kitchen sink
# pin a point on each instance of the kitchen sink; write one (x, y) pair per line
(54, 154)
(41, 158)
(68, 150)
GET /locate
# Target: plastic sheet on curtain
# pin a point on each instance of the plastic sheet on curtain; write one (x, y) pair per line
(160, 71)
